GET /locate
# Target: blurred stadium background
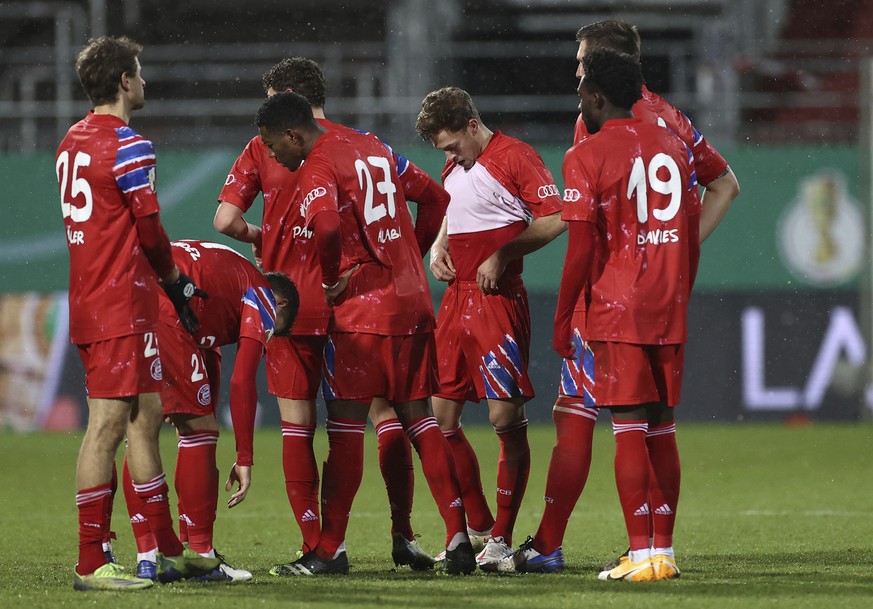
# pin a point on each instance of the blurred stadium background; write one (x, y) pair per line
(780, 323)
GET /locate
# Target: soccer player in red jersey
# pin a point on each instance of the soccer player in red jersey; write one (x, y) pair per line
(284, 243)
(244, 308)
(634, 212)
(574, 420)
(381, 338)
(498, 186)
(118, 251)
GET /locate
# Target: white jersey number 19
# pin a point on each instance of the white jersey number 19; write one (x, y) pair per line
(672, 186)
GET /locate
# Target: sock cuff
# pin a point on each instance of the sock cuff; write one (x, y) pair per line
(620, 427)
(574, 406)
(293, 430)
(511, 428)
(337, 425)
(664, 429)
(198, 438)
(91, 495)
(391, 425)
(416, 427)
(150, 487)
(455, 431)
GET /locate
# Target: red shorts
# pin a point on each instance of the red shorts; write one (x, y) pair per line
(483, 343)
(188, 373)
(621, 374)
(122, 367)
(360, 367)
(294, 366)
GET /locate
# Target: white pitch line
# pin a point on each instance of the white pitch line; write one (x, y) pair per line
(47, 245)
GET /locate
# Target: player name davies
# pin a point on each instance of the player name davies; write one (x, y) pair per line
(658, 236)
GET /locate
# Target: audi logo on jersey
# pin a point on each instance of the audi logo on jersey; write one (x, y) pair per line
(549, 190)
(312, 196)
(571, 195)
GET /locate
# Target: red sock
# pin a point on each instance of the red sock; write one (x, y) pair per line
(156, 509)
(301, 480)
(513, 468)
(479, 516)
(632, 479)
(568, 470)
(664, 485)
(142, 532)
(439, 470)
(342, 477)
(108, 502)
(92, 527)
(197, 487)
(395, 461)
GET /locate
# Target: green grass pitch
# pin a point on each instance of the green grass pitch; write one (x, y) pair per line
(770, 516)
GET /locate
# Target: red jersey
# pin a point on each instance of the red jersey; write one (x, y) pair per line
(240, 302)
(652, 108)
(354, 174)
(106, 176)
(287, 245)
(636, 181)
(495, 200)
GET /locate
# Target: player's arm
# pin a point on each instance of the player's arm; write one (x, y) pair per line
(441, 264)
(581, 246)
(243, 405)
(541, 231)
(713, 173)
(537, 188)
(242, 185)
(432, 200)
(328, 242)
(229, 220)
(179, 287)
(716, 200)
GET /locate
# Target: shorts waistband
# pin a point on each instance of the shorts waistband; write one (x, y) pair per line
(505, 283)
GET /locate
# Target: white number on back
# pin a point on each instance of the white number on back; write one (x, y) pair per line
(672, 186)
(197, 364)
(79, 186)
(375, 212)
(151, 341)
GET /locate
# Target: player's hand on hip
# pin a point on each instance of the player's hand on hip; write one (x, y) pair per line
(333, 292)
(441, 264)
(489, 273)
(181, 292)
(239, 475)
(256, 254)
(562, 343)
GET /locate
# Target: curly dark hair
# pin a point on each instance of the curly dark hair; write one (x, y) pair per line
(616, 75)
(101, 64)
(299, 74)
(612, 35)
(446, 109)
(285, 111)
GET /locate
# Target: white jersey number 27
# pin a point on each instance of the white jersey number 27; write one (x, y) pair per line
(373, 212)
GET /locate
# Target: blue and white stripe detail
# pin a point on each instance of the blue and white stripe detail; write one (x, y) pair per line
(138, 153)
(500, 383)
(328, 370)
(692, 182)
(262, 300)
